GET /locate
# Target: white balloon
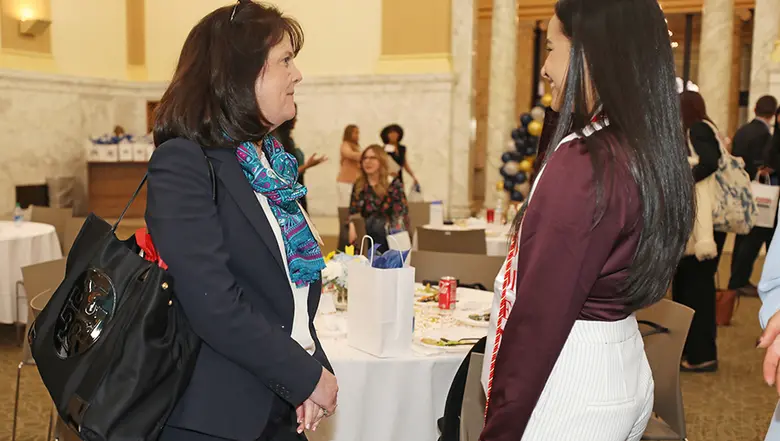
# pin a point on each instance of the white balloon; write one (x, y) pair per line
(537, 113)
(524, 188)
(511, 168)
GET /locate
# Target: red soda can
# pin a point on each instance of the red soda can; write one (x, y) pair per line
(448, 288)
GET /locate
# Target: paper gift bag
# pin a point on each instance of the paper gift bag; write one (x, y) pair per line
(766, 197)
(381, 309)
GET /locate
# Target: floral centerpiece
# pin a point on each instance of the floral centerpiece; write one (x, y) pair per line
(334, 276)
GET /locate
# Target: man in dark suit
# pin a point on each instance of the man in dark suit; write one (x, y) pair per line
(751, 143)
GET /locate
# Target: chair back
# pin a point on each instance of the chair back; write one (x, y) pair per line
(57, 217)
(419, 215)
(472, 414)
(664, 348)
(452, 241)
(40, 282)
(467, 268)
(72, 228)
(343, 216)
(43, 276)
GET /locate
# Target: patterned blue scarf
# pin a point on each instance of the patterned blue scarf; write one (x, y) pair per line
(279, 185)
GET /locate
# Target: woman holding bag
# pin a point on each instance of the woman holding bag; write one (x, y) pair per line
(244, 259)
(694, 281)
(604, 225)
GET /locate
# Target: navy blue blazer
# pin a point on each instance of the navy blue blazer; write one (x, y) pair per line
(230, 279)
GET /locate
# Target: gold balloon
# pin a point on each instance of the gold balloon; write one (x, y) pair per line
(526, 165)
(547, 100)
(535, 128)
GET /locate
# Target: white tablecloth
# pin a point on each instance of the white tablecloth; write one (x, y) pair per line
(496, 238)
(398, 399)
(22, 245)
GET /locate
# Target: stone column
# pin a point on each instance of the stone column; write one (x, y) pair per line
(501, 94)
(766, 32)
(463, 136)
(715, 58)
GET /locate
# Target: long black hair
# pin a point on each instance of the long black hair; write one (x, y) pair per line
(621, 55)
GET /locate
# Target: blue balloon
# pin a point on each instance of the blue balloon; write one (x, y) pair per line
(509, 185)
(516, 196)
(506, 157)
(520, 144)
(530, 151)
(520, 177)
(519, 133)
(526, 119)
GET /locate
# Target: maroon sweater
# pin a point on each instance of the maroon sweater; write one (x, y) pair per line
(568, 270)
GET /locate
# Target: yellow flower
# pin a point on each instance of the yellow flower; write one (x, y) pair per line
(349, 250)
(329, 256)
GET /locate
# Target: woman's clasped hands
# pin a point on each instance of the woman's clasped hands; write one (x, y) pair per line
(321, 404)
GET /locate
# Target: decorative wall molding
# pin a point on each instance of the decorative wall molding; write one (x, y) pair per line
(39, 81)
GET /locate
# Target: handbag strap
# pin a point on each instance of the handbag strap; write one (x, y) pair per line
(724, 154)
(143, 181)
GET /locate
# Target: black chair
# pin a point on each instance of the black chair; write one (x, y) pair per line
(450, 424)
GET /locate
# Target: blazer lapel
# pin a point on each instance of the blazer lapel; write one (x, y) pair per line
(230, 173)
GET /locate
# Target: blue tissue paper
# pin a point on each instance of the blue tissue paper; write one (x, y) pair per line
(392, 259)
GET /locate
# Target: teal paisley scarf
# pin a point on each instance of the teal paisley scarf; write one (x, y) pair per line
(279, 185)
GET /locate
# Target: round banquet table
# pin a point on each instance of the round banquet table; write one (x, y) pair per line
(391, 399)
(21, 245)
(496, 236)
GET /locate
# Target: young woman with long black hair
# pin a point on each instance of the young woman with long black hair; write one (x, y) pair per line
(600, 235)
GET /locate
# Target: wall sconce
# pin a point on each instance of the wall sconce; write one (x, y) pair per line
(31, 26)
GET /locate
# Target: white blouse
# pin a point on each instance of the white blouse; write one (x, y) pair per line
(300, 328)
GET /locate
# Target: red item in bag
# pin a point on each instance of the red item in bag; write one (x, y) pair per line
(144, 240)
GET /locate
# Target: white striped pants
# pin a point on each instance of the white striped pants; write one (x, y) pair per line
(601, 388)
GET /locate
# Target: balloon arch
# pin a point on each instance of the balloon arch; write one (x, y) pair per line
(518, 160)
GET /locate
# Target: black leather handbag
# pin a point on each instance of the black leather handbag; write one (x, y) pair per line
(113, 346)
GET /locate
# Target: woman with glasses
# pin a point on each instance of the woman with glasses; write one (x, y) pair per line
(223, 211)
(378, 198)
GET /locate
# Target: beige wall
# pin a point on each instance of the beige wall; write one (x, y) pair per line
(10, 38)
(141, 39)
(416, 36)
(87, 39)
(415, 27)
(332, 46)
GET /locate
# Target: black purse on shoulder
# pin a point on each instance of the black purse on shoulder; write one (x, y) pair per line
(113, 347)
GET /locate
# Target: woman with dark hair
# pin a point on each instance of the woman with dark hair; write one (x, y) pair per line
(222, 209)
(598, 238)
(377, 197)
(349, 166)
(694, 281)
(391, 137)
(284, 134)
